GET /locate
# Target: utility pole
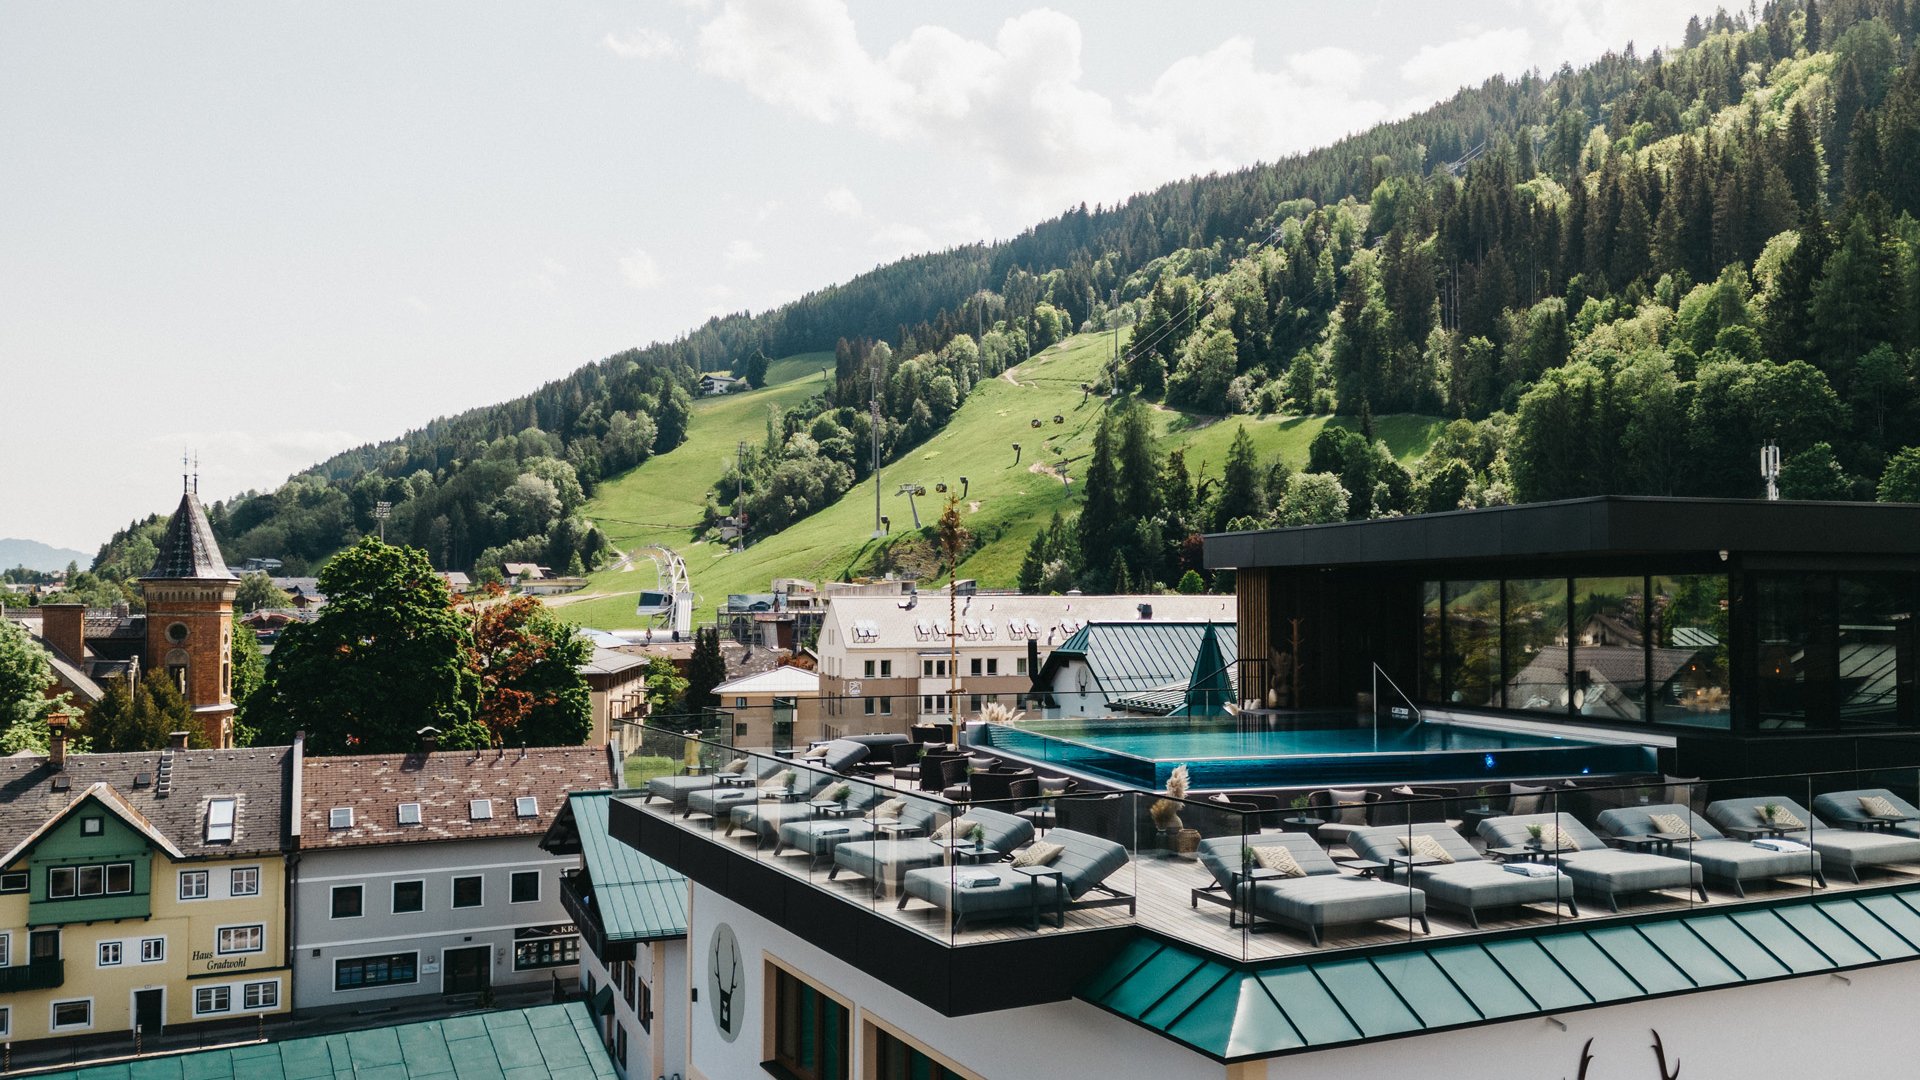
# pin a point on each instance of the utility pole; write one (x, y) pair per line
(380, 511)
(873, 426)
(740, 491)
(953, 540)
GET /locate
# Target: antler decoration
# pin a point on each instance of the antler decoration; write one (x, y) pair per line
(1660, 1056)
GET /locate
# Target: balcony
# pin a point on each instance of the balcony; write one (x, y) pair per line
(46, 974)
(773, 851)
(576, 895)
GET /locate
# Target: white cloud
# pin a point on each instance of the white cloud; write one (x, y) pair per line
(1588, 30)
(640, 270)
(1017, 103)
(417, 304)
(741, 252)
(234, 461)
(641, 43)
(842, 202)
(1437, 71)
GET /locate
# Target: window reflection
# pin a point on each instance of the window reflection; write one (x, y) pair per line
(1610, 649)
(1876, 649)
(1535, 644)
(1689, 676)
(1473, 642)
(1432, 643)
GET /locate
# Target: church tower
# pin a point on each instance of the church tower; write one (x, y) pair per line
(189, 594)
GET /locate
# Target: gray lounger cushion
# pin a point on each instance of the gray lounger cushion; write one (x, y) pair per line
(1843, 808)
(1723, 859)
(1087, 862)
(885, 862)
(719, 801)
(1220, 855)
(1321, 900)
(1593, 866)
(1839, 848)
(1469, 882)
(675, 789)
(765, 818)
(819, 837)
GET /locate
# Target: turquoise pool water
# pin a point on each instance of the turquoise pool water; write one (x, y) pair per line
(1218, 754)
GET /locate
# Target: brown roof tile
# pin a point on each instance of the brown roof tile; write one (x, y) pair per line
(444, 784)
(254, 777)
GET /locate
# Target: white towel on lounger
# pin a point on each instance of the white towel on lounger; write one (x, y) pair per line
(1777, 843)
(978, 879)
(1531, 869)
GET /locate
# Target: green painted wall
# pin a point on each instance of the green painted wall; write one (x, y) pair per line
(66, 844)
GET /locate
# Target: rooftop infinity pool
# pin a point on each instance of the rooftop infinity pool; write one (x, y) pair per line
(1221, 754)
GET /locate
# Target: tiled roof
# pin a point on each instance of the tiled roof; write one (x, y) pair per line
(189, 550)
(1236, 1013)
(1136, 657)
(444, 785)
(883, 622)
(551, 1042)
(254, 778)
(636, 897)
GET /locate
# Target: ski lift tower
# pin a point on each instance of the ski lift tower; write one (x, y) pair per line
(669, 606)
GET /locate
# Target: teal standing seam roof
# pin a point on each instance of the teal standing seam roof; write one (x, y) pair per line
(1236, 1013)
(638, 897)
(551, 1042)
(1141, 657)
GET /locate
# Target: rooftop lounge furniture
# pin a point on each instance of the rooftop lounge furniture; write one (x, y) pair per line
(1593, 866)
(718, 802)
(819, 837)
(886, 861)
(673, 790)
(1324, 897)
(1732, 862)
(1470, 883)
(1059, 886)
(1843, 808)
(1840, 849)
(1344, 811)
(765, 818)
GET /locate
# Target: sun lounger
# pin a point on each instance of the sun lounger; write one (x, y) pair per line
(1324, 897)
(1840, 849)
(1593, 866)
(967, 894)
(1470, 883)
(1724, 860)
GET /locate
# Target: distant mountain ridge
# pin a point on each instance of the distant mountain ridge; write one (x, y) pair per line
(35, 555)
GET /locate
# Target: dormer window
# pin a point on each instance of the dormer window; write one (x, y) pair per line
(409, 813)
(480, 809)
(340, 817)
(220, 821)
(526, 806)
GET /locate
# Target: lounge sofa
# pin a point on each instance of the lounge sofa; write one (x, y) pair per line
(1843, 808)
(718, 802)
(674, 790)
(820, 837)
(1470, 883)
(764, 819)
(1594, 867)
(1726, 861)
(1840, 849)
(1084, 867)
(886, 862)
(1324, 897)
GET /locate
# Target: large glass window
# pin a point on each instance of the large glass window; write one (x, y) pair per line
(1432, 643)
(896, 1060)
(1473, 642)
(810, 1030)
(1535, 644)
(1784, 619)
(1876, 667)
(1609, 649)
(1689, 678)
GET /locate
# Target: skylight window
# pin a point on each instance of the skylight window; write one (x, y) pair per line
(480, 809)
(340, 817)
(409, 813)
(220, 821)
(526, 806)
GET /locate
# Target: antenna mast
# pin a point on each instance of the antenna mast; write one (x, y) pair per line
(1770, 469)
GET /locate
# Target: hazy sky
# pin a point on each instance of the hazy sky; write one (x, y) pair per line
(271, 231)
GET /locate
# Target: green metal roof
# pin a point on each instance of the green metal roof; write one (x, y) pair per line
(552, 1042)
(639, 899)
(1130, 657)
(1235, 1013)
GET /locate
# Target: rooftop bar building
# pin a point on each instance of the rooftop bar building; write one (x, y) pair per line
(1751, 633)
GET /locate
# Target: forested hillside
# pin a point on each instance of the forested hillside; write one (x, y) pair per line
(1619, 279)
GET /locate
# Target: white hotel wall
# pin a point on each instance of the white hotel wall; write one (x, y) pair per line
(1059, 1041)
(1808, 1028)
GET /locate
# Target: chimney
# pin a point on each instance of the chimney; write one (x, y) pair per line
(64, 626)
(176, 740)
(57, 741)
(429, 739)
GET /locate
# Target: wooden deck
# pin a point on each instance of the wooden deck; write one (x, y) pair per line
(1163, 884)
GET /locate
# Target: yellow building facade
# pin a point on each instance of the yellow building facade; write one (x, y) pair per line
(154, 907)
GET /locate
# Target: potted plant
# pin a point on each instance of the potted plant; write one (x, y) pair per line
(839, 794)
(1534, 833)
(1485, 795)
(1246, 858)
(1645, 794)
(1174, 834)
(979, 837)
(1299, 804)
(1770, 811)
